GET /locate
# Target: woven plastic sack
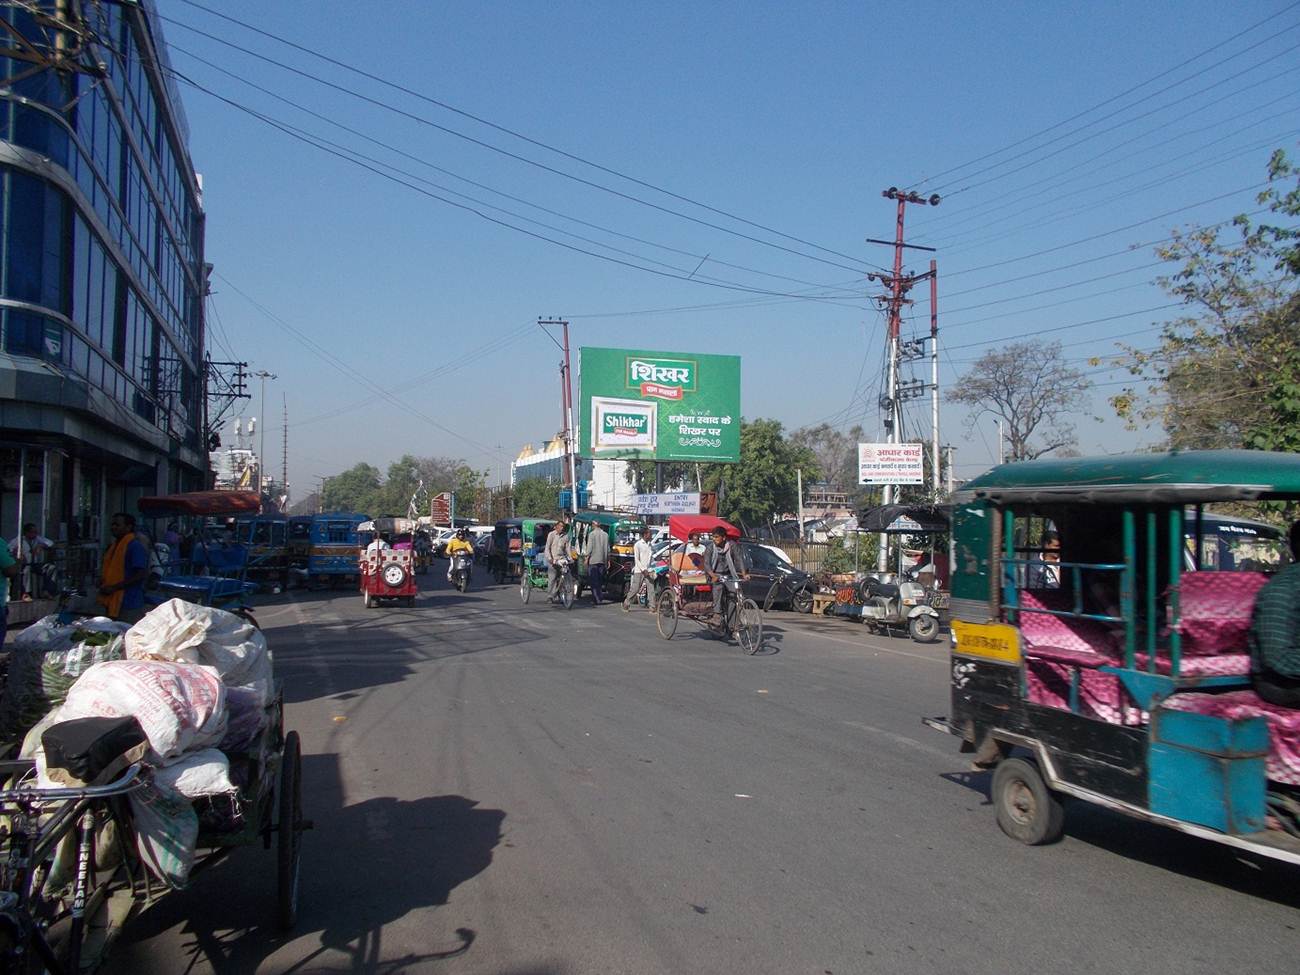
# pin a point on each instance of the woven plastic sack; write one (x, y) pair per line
(196, 775)
(44, 665)
(167, 832)
(187, 633)
(181, 707)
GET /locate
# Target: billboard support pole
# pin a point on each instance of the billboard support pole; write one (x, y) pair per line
(566, 409)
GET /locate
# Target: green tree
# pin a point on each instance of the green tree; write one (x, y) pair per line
(836, 452)
(1227, 372)
(764, 483)
(537, 497)
(359, 489)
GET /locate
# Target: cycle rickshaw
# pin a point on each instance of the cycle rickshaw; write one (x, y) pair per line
(689, 592)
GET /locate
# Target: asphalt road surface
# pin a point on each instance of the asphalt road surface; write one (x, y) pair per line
(520, 790)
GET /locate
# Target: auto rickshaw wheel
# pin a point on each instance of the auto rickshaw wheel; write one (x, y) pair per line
(367, 600)
(1027, 810)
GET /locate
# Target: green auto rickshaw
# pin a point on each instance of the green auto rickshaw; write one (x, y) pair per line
(623, 531)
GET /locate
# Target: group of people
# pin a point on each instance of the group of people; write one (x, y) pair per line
(717, 560)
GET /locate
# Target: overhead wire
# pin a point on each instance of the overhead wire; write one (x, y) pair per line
(516, 156)
(320, 144)
(1109, 100)
(419, 160)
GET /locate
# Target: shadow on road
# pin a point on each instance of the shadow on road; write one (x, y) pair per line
(1161, 847)
(364, 866)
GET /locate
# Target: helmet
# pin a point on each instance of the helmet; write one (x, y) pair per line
(462, 533)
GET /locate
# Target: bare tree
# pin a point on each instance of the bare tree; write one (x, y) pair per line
(1030, 387)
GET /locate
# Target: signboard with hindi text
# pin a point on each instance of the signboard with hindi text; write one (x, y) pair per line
(891, 463)
(638, 405)
(666, 504)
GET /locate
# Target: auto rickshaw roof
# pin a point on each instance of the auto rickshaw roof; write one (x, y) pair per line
(681, 526)
(608, 518)
(1175, 477)
(520, 522)
(201, 503)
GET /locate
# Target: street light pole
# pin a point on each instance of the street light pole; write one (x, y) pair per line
(263, 375)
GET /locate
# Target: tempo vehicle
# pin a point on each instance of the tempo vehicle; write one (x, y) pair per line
(1122, 677)
(386, 574)
(515, 542)
(266, 537)
(332, 548)
(623, 534)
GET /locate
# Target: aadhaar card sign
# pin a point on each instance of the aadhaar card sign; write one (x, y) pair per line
(891, 463)
(639, 405)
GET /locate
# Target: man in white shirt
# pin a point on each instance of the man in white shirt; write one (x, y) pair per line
(640, 572)
(30, 548)
(380, 544)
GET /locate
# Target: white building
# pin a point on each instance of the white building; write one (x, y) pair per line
(607, 484)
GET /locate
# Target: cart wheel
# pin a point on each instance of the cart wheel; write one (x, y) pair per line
(924, 629)
(666, 618)
(749, 626)
(289, 830)
(525, 586)
(1027, 809)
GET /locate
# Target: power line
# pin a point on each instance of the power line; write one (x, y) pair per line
(351, 372)
(513, 155)
(312, 141)
(1107, 101)
(1063, 328)
(472, 182)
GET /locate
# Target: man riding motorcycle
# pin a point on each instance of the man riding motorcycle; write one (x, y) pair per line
(460, 543)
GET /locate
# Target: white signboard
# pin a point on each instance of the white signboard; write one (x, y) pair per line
(891, 463)
(666, 504)
(618, 424)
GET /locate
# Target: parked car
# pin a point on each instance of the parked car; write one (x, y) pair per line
(483, 548)
(767, 566)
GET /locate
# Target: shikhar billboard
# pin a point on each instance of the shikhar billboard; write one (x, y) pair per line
(639, 405)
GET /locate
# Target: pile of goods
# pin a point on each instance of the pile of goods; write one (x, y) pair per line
(196, 680)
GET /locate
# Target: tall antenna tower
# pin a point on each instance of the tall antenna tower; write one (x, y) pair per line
(284, 451)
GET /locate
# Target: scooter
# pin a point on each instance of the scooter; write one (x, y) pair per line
(887, 606)
(461, 564)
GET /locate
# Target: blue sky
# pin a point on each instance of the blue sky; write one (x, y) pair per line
(792, 116)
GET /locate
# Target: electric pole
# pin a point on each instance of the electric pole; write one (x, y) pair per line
(263, 375)
(284, 453)
(566, 403)
(899, 284)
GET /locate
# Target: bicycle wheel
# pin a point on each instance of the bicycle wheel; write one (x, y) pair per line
(525, 585)
(289, 832)
(770, 599)
(666, 619)
(749, 626)
(567, 587)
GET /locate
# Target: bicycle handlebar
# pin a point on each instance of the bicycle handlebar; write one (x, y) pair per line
(129, 780)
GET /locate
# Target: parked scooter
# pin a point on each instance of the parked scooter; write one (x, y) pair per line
(460, 568)
(887, 606)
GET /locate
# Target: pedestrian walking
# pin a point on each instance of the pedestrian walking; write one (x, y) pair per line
(557, 558)
(640, 572)
(597, 553)
(9, 568)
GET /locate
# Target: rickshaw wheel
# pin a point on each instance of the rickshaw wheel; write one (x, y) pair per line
(1027, 810)
(666, 618)
(289, 829)
(749, 626)
(525, 586)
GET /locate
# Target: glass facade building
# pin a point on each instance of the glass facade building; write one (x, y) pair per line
(102, 274)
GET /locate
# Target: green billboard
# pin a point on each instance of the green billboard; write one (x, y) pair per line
(639, 405)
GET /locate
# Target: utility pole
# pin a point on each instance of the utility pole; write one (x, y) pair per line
(284, 451)
(934, 380)
(566, 402)
(1002, 458)
(899, 285)
(263, 375)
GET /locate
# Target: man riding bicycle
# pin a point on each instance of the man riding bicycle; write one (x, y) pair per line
(720, 563)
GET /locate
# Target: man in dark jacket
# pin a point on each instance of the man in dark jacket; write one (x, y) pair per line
(721, 562)
(1275, 634)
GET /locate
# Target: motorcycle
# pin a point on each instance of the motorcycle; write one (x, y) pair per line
(887, 606)
(460, 568)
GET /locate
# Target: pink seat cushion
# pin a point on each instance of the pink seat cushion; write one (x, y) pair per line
(1101, 696)
(1215, 610)
(1219, 664)
(1041, 630)
(1283, 764)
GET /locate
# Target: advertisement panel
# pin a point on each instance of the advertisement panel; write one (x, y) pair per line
(639, 405)
(891, 463)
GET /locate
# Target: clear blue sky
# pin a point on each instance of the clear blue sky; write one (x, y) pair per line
(794, 116)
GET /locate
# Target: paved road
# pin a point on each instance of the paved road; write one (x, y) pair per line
(512, 790)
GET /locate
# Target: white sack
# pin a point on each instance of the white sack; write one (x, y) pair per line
(167, 832)
(198, 774)
(188, 633)
(181, 707)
